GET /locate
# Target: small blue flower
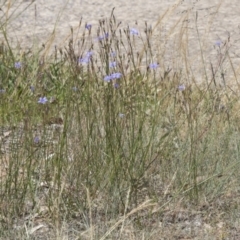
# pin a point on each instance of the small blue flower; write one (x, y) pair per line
(42, 100)
(112, 64)
(84, 60)
(88, 26)
(181, 87)
(116, 85)
(36, 140)
(100, 38)
(2, 91)
(154, 65)
(87, 58)
(74, 89)
(218, 43)
(107, 78)
(89, 54)
(116, 75)
(121, 115)
(18, 65)
(113, 54)
(134, 31)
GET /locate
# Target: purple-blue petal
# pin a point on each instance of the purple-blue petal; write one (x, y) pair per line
(116, 75)
(18, 65)
(154, 65)
(181, 87)
(88, 26)
(218, 43)
(89, 54)
(112, 64)
(42, 100)
(108, 78)
(113, 54)
(116, 85)
(106, 35)
(134, 31)
(36, 140)
(84, 60)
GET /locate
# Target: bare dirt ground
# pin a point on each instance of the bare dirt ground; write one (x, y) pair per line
(33, 22)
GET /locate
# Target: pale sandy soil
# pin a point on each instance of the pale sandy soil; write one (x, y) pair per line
(217, 20)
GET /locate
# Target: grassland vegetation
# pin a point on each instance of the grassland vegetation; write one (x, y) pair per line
(101, 140)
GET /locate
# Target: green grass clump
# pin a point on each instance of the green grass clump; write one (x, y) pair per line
(104, 157)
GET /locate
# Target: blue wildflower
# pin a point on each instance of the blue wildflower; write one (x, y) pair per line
(112, 64)
(218, 43)
(108, 78)
(88, 26)
(113, 54)
(89, 54)
(121, 115)
(74, 89)
(36, 140)
(100, 38)
(116, 85)
(154, 65)
(181, 87)
(18, 65)
(134, 31)
(84, 60)
(116, 75)
(42, 100)
(87, 58)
